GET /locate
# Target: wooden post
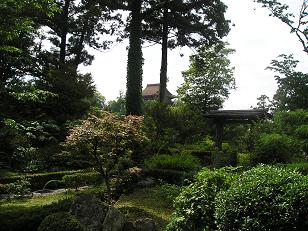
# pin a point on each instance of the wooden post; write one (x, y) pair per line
(219, 133)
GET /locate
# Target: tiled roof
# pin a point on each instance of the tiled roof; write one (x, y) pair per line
(153, 90)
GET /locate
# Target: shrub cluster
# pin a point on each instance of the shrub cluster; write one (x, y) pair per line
(38, 180)
(274, 148)
(81, 179)
(181, 162)
(18, 188)
(264, 198)
(29, 219)
(194, 207)
(60, 221)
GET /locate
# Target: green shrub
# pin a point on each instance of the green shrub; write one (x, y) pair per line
(274, 148)
(300, 167)
(167, 193)
(264, 198)
(194, 207)
(181, 162)
(38, 180)
(81, 179)
(29, 219)
(244, 159)
(227, 156)
(60, 221)
(19, 188)
(169, 176)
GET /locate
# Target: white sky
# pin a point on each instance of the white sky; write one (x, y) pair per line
(256, 37)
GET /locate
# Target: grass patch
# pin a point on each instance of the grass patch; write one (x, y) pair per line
(9, 206)
(145, 202)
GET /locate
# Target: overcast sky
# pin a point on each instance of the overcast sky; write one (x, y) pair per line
(256, 37)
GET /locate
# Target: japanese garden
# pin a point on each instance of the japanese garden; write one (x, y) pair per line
(151, 159)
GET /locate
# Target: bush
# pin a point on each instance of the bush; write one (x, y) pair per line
(38, 180)
(194, 207)
(29, 219)
(274, 148)
(181, 162)
(60, 222)
(81, 179)
(19, 188)
(300, 167)
(264, 198)
(169, 176)
(227, 156)
(167, 194)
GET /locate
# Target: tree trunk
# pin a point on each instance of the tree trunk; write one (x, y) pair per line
(64, 31)
(134, 62)
(164, 60)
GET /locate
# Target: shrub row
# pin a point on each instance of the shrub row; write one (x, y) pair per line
(29, 219)
(38, 180)
(169, 176)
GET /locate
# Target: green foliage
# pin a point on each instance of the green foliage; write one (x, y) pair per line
(180, 162)
(167, 193)
(264, 198)
(227, 156)
(26, 215)
(59, 222)
(194, 207)
(81, 179)
(19, 188)
(274, 148)
(118, 105)
(134, 62)
(301, 167)
(37, 180)
(282, 12)
(170, 176)
(209, 79)
(106, 139)
(292, 85)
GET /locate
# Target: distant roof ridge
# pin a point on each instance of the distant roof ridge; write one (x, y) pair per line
(153, 84)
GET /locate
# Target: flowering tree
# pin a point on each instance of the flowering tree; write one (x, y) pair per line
(106, 138)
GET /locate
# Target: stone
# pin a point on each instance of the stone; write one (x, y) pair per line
(90, 211)
(129, 226)
(145, 224)
(114, 220)
(147, 182)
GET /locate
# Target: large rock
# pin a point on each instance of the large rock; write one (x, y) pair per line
(95, 215)
(90, 211)
(114, 220)
(145, 224)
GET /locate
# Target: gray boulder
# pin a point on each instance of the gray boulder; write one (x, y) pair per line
(145, 224)
(114, 220)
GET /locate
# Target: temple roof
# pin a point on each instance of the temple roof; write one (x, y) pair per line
(238, 115)
(153, 90)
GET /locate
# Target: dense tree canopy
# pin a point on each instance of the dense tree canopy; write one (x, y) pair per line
(292, 92)
(209, 79)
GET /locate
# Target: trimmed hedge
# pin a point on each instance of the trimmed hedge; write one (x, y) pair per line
(29, 219)
(179, 162)
(38, 180)
(81, 179)
(264, 198)
(169, 176)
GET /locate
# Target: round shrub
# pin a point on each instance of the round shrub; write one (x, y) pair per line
(264, 198)
(194, 207)
(180, 162)
(60, 222)
(274, 148)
